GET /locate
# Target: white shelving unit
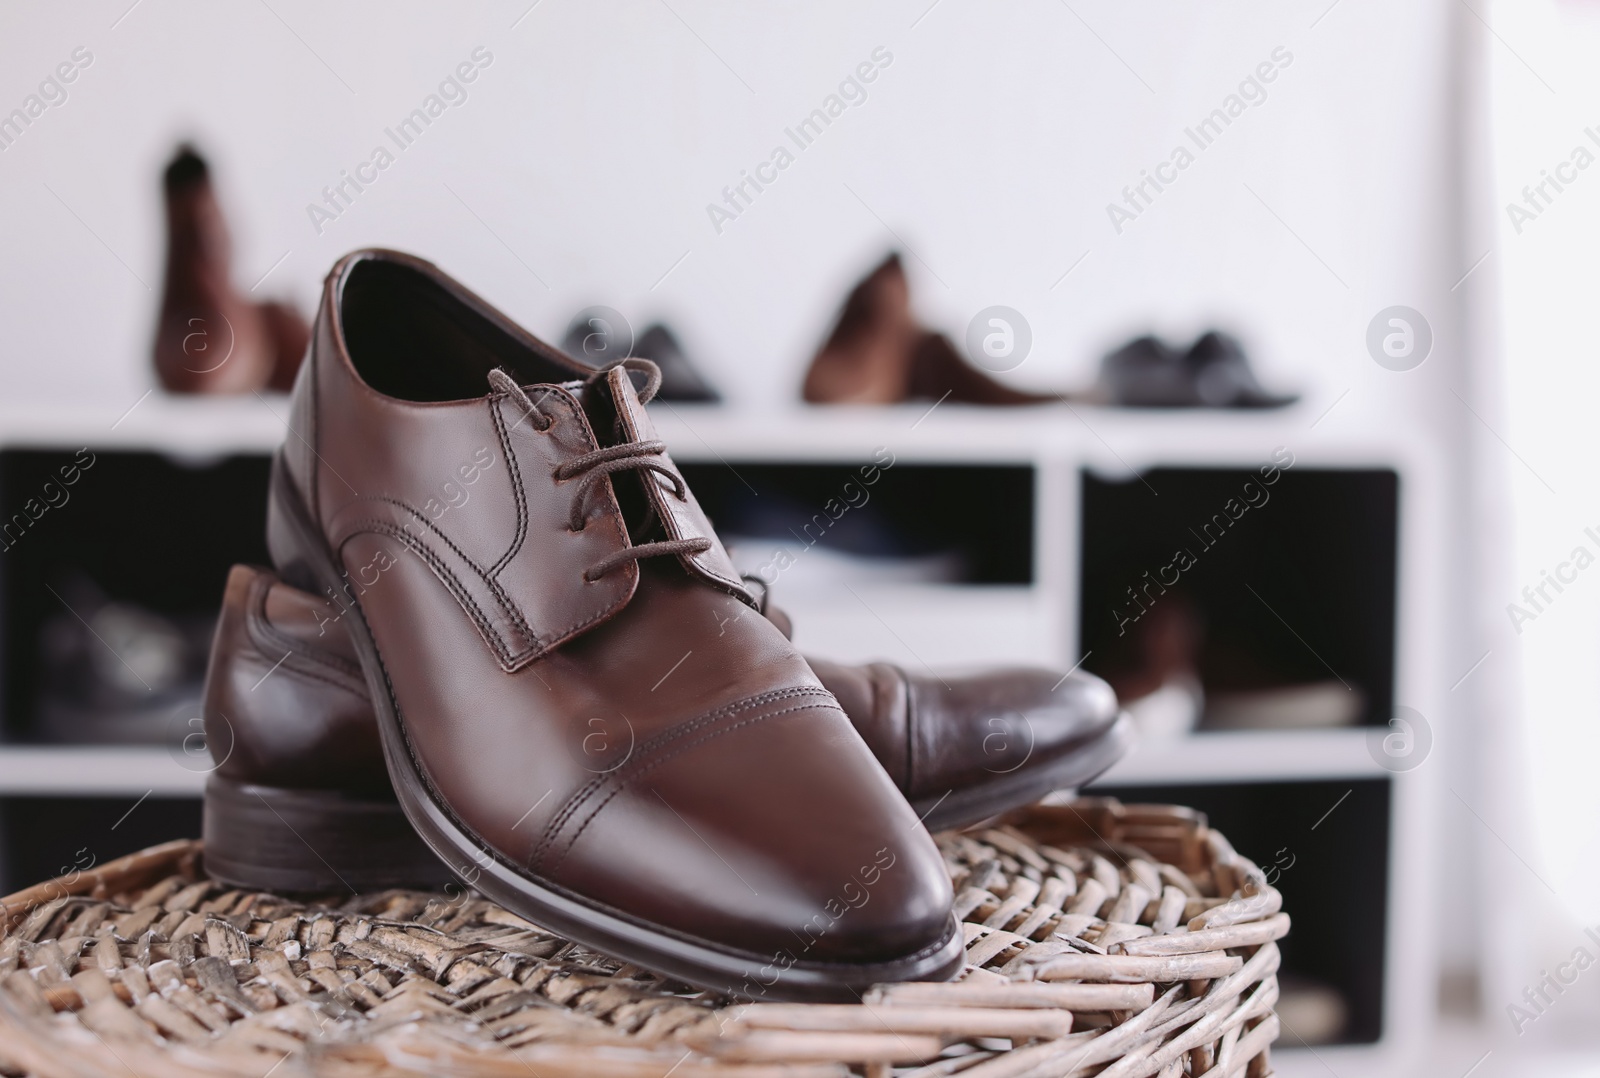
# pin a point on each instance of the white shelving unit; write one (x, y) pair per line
(948, 624)
(98, 771)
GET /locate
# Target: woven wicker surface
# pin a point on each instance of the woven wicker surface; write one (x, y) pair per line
(1101, 939)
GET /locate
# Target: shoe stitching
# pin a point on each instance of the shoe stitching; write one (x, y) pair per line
(516, 484)
(908, 725)
(576, 802)
(661, 740)
(666, 737)
(507, 657)
(447, 576)
(693, 529)
(610, 515)
(678, 750)
(513, 614)
(492, 575)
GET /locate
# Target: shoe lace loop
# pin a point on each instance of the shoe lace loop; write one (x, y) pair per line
(593, 467)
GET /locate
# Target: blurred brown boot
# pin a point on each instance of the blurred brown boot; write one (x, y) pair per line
(209, 338)
(877, 354)
(938, 370)
(289, 334)
(866, 358)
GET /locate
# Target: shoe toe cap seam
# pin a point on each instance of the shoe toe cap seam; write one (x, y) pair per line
(661, 741)
(663, 756)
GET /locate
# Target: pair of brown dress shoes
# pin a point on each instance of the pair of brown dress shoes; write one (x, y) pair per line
(496, 582)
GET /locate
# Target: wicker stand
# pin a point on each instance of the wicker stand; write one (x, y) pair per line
(1101, 940)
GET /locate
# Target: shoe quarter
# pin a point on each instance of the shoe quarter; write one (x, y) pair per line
(478, 503)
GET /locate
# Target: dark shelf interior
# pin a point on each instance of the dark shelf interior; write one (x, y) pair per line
(46, 837)
(108, 598)
(1179, 568)
(980, 517)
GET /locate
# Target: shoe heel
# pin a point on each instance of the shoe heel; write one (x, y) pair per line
(275, 839)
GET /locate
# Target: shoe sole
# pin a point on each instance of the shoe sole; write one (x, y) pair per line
(270, 838)
(1023, 785)
(303, 558)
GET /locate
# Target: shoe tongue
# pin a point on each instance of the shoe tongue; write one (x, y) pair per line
(612, 404)
(598, 398)
(608, 400)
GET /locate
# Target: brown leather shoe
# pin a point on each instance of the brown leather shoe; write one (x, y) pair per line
(300, 800)
(209, 337)
(520, 557)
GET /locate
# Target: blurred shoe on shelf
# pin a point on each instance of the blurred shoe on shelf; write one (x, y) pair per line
(939, 372)
(878, 354)
(1306, 706)
(601, 336)
(113, 670)
(1316, 1011)
(809, 568)
(1145, 372)
(209, 337)
(290, 335)
(1214, 373)
(680, 381)
(1222, 376)
(866, 357)
(1160, 687)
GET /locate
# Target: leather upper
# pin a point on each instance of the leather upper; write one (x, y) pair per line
(935, 734)
(627, 738)
(284, 702)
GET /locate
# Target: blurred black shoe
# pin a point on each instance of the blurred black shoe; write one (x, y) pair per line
(1222, 376)
(1149, 373)
(1145, 373)
(679, 379)
(602, 336)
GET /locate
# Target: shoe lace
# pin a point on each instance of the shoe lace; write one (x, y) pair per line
(593, 468)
